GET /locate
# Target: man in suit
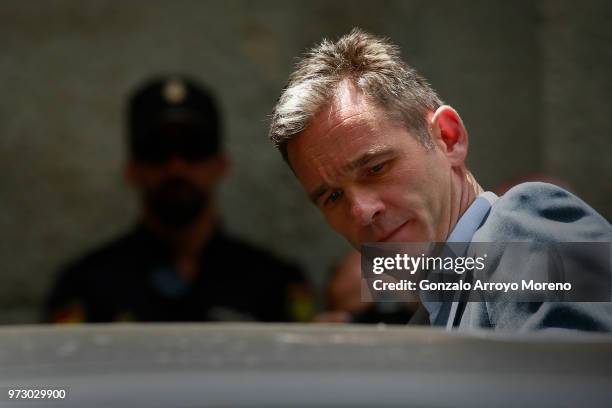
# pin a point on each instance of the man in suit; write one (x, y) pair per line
(383, 158)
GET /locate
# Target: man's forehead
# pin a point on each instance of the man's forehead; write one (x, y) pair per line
(331, 131)
(330, 122)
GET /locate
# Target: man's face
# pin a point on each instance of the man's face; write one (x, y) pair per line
(203, 174)
(371, 178)
(177, 190)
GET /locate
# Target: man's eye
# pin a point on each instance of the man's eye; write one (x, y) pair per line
(333, 197)
(377, 169)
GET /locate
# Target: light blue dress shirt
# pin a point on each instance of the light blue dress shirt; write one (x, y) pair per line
(464, 231)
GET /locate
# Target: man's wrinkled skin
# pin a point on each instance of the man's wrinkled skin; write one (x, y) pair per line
(374, 181)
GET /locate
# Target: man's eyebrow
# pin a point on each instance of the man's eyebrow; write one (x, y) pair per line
(359, 162)
(368, 157)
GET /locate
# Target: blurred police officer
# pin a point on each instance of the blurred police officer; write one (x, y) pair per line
(177, 264)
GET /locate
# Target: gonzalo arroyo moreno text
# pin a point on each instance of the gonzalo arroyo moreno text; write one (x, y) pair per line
(458, 265)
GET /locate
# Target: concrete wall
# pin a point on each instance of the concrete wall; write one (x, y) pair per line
(531, 80)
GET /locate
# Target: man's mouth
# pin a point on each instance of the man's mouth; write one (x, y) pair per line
(391, 235)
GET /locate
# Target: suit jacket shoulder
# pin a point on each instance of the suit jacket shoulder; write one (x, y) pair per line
(545, 213)
(537, 213)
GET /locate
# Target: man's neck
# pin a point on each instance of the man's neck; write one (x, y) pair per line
(466, 191)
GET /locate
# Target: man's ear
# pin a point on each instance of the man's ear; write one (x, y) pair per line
(450, 134)
(220, 166)
(131, 174)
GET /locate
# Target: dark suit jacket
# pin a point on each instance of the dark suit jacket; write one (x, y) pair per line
(538, 212)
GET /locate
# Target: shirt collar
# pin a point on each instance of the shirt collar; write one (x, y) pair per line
(472, 218)
(464, 231)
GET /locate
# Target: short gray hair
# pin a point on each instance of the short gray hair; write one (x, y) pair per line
(374, 66)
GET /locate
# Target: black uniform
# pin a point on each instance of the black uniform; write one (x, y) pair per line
(133, 279)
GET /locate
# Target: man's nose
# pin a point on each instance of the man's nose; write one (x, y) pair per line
(176, 164)
(365, 207)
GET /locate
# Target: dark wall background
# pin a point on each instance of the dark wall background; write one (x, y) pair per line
(530, 78)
